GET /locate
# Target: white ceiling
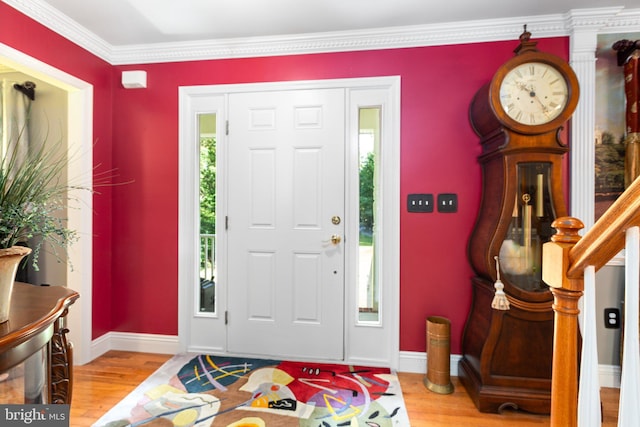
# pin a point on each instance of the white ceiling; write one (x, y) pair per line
(136, 22)
(154, 31)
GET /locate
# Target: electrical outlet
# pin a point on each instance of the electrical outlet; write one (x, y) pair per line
(447, 203)
(611, 318)
(420, 203)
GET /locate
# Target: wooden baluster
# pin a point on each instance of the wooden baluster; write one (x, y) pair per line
(629, 412)
(566, 293)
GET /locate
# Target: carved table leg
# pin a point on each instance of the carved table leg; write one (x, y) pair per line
(61, 364)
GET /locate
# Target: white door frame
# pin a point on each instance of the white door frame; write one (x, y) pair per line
(361, 340)
(79, 145)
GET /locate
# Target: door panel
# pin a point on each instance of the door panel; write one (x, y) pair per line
(286, 182)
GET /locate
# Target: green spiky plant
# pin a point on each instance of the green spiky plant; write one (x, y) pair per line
(33, 195)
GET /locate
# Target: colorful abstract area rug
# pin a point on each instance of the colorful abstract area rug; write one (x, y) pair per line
(203, 391)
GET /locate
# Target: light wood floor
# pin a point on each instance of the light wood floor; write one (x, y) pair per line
(102, 383)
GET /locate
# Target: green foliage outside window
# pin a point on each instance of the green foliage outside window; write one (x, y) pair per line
(367, 169)
(208, 186)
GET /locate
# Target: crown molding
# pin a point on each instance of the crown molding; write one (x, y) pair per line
(610, 20)
(51, 18)
(343, 41)
(626, 21)
(604, 20)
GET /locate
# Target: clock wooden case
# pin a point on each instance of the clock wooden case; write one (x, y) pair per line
(519, 115)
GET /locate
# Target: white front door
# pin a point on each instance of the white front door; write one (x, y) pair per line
(285, 230)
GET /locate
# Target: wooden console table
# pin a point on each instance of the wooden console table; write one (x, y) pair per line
(37, 323)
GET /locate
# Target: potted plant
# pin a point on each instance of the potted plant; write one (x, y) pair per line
(33, 196)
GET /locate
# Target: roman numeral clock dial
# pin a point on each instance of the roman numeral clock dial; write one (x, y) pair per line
(533, 93)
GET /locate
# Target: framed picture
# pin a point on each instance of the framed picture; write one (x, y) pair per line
(610, 112)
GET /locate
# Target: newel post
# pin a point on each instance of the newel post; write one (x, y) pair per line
(566, 293)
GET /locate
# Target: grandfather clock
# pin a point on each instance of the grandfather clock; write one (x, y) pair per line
(508, 338)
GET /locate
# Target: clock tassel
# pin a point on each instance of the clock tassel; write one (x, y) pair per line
(500, 301)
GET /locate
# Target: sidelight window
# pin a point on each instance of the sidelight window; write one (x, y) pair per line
(368, 283)
(207, 147)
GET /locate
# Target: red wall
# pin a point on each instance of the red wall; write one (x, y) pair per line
(438, 155)
(23, 34)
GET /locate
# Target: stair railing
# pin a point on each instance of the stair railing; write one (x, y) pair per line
(568, 267)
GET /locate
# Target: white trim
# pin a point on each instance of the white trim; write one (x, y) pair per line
(194, 101)
(416, 362)
(356, 82)
(391, 194)
(617, 19)
(100, 346)
(340, 41)
(140, 343)
(51, 18)
(409, 361)
(80, 146)
(585, 27)
(583, 60)
(362, 339)
(163, 344)
(609, 376)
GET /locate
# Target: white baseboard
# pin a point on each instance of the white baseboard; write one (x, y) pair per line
(142, 343)
(416, 362)
(409, 361)
(100, 346)
(609, 376)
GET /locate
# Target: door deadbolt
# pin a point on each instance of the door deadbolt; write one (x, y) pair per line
(335, 220)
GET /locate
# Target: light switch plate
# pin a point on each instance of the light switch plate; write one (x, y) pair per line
(420, 203)
(447, 203)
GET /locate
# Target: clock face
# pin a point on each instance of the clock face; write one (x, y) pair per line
(533, 93)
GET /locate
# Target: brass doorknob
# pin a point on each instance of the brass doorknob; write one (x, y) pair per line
(335, 239)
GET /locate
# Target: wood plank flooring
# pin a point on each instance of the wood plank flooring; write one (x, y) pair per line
(101, 384)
